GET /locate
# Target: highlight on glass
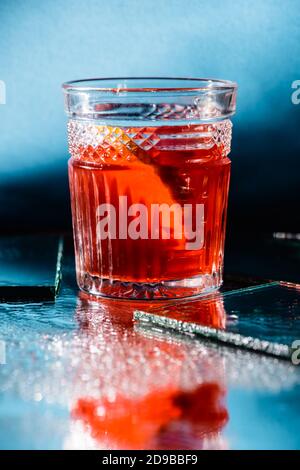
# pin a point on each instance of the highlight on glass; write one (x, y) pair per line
(149, 177)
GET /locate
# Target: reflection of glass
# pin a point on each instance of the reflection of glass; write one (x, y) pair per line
(149, 394)
(206, 312)
(149, 175)
(162, 419)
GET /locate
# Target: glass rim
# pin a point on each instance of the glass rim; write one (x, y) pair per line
(115, 85)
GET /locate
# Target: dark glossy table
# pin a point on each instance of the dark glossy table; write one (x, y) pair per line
(79, 374)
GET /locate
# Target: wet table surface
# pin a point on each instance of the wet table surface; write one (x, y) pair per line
(80, 374)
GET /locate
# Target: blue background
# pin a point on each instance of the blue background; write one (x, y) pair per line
(45, 43)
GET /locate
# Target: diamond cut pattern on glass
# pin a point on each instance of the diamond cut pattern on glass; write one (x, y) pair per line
(222, 135)
(107, 143)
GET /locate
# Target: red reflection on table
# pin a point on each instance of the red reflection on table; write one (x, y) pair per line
(171, 407)
(161, 419)
(206, 311)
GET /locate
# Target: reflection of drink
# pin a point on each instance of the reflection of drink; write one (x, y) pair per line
(163, 419)
(149, 202)
(205, 311)
(145, 390)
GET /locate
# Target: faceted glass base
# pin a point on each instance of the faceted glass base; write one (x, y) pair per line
(196, 285)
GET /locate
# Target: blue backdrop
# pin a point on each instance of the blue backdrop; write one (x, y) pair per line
(44, 43)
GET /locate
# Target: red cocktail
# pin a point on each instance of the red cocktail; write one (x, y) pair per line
(148, 201)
